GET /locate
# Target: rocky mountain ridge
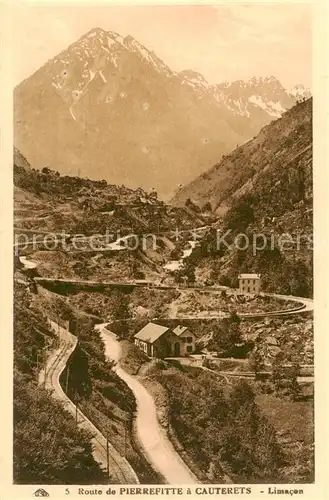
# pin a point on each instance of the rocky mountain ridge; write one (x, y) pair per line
(237, 174)
(107, 107)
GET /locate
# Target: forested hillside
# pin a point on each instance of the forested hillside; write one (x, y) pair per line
(269, 221)
(48, 447)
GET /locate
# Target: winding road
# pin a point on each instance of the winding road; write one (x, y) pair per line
(302, 304)
(120, 470)
(158, 449)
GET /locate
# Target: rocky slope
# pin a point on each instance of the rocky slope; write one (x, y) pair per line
(292, 338)
(277, 145)
(109, 108)
(46, 202)
(20, 160)
(265, 190)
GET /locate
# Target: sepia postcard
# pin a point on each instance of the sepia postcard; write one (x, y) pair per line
(164, 250)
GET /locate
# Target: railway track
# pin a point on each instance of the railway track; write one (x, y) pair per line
(119, 468)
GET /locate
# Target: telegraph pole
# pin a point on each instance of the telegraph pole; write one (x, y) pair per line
(107, 455)
(45, 365)
(76, 413)
(125, 439)
(67, 378)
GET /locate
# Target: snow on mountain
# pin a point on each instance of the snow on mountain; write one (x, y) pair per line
(263, 162)
(247, 98)
(149, 56)
(300, 92)
(110, 108)
(274, 109)
(195, 80)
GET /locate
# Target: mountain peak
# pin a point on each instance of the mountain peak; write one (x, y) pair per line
(108, 89)
(299, 91)
(265, 80)
(97, 36)
(92, 33)
(97, 29)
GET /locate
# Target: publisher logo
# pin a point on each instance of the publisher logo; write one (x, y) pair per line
(41, 493)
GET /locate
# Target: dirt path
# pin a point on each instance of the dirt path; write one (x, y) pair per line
(156, 445)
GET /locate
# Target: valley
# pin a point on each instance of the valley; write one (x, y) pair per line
(163, 273)
(82, 263)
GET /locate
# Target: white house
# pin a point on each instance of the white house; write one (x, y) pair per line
(249, 283)
(187, 340)
(159, 341)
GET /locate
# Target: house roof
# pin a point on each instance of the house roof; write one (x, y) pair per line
(151, 332)
(180, 329)
(249, 276)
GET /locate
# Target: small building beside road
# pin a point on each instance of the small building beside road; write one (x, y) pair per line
(249, 283)
(160, 342)
(187, 340)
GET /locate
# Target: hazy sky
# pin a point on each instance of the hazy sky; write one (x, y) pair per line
(223, 42)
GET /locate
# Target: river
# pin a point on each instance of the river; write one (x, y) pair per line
(175, 265)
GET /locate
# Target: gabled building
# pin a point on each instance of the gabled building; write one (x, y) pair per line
(249, 283)
(160, 342)
(187, 340)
